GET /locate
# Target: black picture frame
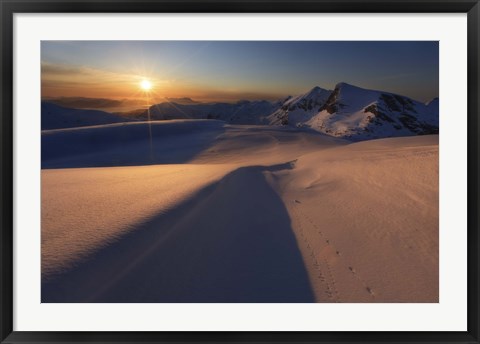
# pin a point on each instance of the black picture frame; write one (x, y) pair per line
(10, 7)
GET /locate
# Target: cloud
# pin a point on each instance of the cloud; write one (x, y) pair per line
(82, 74)
(73, 80)
(94, 103)
(63, 80)
(62, 69)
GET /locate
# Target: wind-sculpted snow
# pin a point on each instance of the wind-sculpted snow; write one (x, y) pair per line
(202, 210)
(366, 217)
(251, 214)
(226, 244)
(127, 144)
(102, 227)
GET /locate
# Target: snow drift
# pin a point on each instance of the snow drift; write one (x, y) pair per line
(56, 117)
(243, 214)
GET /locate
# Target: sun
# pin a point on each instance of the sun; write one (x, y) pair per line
(146, 85)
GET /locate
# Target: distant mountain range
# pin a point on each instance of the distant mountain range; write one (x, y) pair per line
(57, 117)
(347, 111)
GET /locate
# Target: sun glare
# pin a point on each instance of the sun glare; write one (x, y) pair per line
(146, 85)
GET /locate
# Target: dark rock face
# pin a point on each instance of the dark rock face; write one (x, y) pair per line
(358, 114)
(331, 105)
(397, 103)
(400, 113)
(417, 127)
(390, 102)
(379, 115)
(297, 110)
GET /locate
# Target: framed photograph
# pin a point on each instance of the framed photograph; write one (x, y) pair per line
(214, 171)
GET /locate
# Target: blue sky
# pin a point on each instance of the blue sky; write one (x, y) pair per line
(232, 70)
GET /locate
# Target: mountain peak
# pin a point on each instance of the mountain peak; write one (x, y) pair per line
(343, 85)
(432, 102)
(182, 100)
(315, 92)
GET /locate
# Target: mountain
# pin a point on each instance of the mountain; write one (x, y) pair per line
(95, 103)
(358, 114)
(433, 106)
(57, 117)
(348, 112)
(242, 112)
(300, 109)
(184, 100)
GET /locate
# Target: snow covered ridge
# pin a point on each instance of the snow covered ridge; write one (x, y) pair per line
(358, 114)
(59, 117)
(300, 109)
(348, 112)
(241, 112)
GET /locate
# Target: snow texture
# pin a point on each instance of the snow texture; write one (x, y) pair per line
(203, 211)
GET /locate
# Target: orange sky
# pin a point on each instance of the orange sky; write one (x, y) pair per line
(234, 70)
(73, 81)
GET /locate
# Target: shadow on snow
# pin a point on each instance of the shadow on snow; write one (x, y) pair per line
(231, 242)
(128, 144)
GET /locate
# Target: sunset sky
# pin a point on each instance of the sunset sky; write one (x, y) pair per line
(234, 70)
